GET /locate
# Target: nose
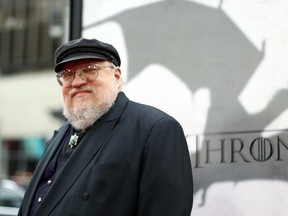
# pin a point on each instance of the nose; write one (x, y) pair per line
(78, 80)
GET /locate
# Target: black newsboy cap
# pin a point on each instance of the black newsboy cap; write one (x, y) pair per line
(85, 49)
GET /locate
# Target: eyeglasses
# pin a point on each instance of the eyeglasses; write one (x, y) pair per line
(87, 72)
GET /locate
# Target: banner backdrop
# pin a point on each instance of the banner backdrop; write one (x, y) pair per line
(220, 68)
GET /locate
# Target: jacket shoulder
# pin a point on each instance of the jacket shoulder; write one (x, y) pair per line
(147, 112)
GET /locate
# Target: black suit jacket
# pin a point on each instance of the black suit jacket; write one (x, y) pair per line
(134, 161)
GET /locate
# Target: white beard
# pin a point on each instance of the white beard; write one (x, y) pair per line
(82, 118)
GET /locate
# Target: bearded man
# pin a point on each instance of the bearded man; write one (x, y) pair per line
(112, 156)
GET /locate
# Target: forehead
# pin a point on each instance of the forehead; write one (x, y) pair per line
(81, 62)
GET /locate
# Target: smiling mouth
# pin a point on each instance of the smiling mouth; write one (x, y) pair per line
(80, 93)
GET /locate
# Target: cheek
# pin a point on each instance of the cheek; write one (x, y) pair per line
(65, 96)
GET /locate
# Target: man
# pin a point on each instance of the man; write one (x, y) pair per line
(113, 156)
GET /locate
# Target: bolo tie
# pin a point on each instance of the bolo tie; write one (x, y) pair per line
(75, 139)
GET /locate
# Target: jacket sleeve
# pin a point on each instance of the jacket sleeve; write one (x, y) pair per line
(166, 186)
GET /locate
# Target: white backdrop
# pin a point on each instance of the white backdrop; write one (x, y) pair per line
(201, 101)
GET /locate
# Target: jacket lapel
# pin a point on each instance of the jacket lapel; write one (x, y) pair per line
(84, 153)
(43, 163)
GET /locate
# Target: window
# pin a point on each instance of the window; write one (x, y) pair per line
(30, 31)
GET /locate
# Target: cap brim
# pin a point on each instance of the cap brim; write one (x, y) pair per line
(58, 67)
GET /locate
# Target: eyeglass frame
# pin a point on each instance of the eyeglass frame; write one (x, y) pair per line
(95, 67)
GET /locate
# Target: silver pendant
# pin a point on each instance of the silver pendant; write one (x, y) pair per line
(73, 140)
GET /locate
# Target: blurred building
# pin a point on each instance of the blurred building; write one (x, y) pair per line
(30, 31)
